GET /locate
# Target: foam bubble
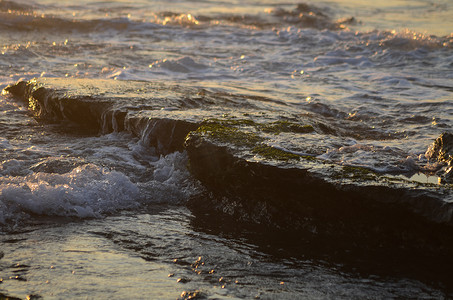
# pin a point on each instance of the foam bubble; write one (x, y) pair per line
(410, 40)
(181, 65)
(85, 191)
(171, 181)
(12, 167)
(380, 158)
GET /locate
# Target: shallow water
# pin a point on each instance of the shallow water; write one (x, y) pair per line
(161, 255)
(110, 211)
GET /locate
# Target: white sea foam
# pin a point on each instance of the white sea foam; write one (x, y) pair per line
(171, 181)
(86, 191)
(66, 186)
(13, 167)
(380, 158)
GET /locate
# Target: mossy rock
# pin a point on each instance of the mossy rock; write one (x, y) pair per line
(226, 132)
(286, 126)
(269, 152)
(357, 173)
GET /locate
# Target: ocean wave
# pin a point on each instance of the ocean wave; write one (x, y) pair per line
(21, 17)
(28, 20)
(6, 5)
(14, 21)
(302, 16)
(180, 65)
(74, 188)
(407, 40)
(15, 17)
(85, 191)
(306, 15)
(180, 19)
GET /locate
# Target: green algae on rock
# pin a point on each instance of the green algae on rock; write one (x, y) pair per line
(358, 173)
(246, 133)
(270, 152)
(226, 132)
(285, 126)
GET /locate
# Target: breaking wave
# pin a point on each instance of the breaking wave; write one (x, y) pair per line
(85, 191)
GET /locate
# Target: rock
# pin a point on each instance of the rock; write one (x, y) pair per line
(234, 158)
(441, 151)
(105, 106)
(352, 209)
(262, 163)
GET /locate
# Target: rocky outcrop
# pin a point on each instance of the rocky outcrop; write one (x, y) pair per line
(52, 105)
(261, 165)
(299, 192)
(350, 212)
(242, 158)
(234, 159)
(441, 151)
(98, 108)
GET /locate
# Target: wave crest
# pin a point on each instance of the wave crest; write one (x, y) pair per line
(6, 5)
(85, 191)
(408, 40)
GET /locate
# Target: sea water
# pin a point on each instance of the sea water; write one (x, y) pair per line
(86, 215)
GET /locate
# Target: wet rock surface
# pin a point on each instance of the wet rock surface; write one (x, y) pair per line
(230, 138)
(268, 168)
(441, 151)
(349, 214)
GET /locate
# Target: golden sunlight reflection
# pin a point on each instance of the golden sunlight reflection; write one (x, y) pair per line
(175, 19)
(120, 274)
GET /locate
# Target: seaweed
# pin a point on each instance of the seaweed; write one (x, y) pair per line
(225, 132)
(246, 133)
(358, 173)
(270, 152)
